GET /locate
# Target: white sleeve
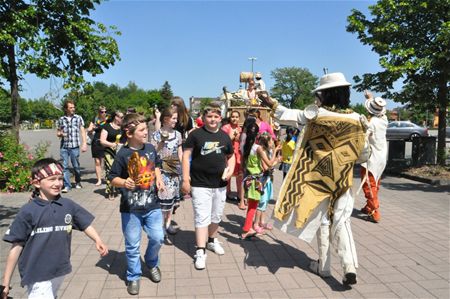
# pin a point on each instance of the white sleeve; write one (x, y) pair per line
(290, 117)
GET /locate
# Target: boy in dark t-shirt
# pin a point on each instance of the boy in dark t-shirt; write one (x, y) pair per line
(41, 234)
(206, 177)
(136, 172)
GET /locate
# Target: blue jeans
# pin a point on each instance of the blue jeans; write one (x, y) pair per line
(132, 223)
(73, 154)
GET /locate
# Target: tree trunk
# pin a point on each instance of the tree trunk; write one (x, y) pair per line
(443, 102)
(14, 83)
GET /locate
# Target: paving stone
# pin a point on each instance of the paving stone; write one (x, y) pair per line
(406, 255)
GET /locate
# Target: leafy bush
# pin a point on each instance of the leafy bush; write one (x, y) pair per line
(16, 161)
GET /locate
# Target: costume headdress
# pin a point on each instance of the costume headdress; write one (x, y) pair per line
(49, 170)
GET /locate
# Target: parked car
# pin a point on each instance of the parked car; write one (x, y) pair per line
(405, 130)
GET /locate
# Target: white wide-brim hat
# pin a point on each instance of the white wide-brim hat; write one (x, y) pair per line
(332, 80)
(376, 106)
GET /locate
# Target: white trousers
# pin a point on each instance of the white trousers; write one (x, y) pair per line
(337, 235)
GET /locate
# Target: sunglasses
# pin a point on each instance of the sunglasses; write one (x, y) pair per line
(102, 111)
(119, 116)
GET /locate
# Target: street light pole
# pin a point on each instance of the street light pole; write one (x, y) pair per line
(252, 59)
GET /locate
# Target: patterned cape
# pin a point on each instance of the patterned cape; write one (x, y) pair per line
(322, 167)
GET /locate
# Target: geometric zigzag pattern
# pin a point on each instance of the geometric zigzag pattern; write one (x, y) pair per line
(325, 161)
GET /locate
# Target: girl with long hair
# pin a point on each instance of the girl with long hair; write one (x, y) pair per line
(253, 155)
(268, 145)
(167, 142)
(234, 131)
(97, 150)
(184, 123)
(110, 140)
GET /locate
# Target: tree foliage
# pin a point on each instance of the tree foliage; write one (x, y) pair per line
(412, 38)
(52, 38)
(113, 97)
(360, 108)
(293, 86)
(166, 92)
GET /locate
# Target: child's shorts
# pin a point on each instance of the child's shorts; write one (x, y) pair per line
(208, 204)
(267, 195)
(45, 289)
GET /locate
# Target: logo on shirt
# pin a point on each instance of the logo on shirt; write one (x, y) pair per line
(210, 147)
(68, 219)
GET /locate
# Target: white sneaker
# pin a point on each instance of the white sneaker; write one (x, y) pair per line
(215, 247)
(65, 190)
(200, 259)
(78, 186)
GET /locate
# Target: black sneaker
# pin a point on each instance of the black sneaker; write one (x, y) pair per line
(133, 287)
(155, 274)
(349, 279)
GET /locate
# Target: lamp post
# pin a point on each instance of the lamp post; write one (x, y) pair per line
(252, 59)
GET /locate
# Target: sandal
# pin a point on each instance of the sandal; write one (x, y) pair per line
(267, 226)
(259, 230)
(248, 235)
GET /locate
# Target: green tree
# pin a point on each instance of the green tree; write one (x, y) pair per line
(5, 107)
(293, 86)
(166, 92)
(360, 108)
(43, 109)
(205, 102)
(412, 39)
(113, 97)
(52, 38)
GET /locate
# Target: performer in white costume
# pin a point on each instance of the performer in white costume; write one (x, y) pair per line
(260, 84)
(372, 170)
(315, 196)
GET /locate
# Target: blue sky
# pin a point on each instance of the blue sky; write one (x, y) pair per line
(201, 46)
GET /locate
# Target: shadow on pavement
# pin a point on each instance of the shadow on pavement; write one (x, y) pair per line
(114, 263)
(415, 187)
(357, 214)
(185, 241)
(101, 190)
(260, 253)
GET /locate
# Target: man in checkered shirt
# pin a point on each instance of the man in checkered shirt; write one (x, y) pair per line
(71, 131)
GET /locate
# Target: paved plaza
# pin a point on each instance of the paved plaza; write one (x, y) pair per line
(406, 255)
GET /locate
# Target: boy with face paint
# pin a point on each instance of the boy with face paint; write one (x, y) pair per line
(41, 234)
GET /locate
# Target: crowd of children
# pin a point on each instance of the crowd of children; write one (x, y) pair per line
(152, 178)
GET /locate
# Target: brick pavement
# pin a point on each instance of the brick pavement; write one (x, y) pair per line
(404, 256)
